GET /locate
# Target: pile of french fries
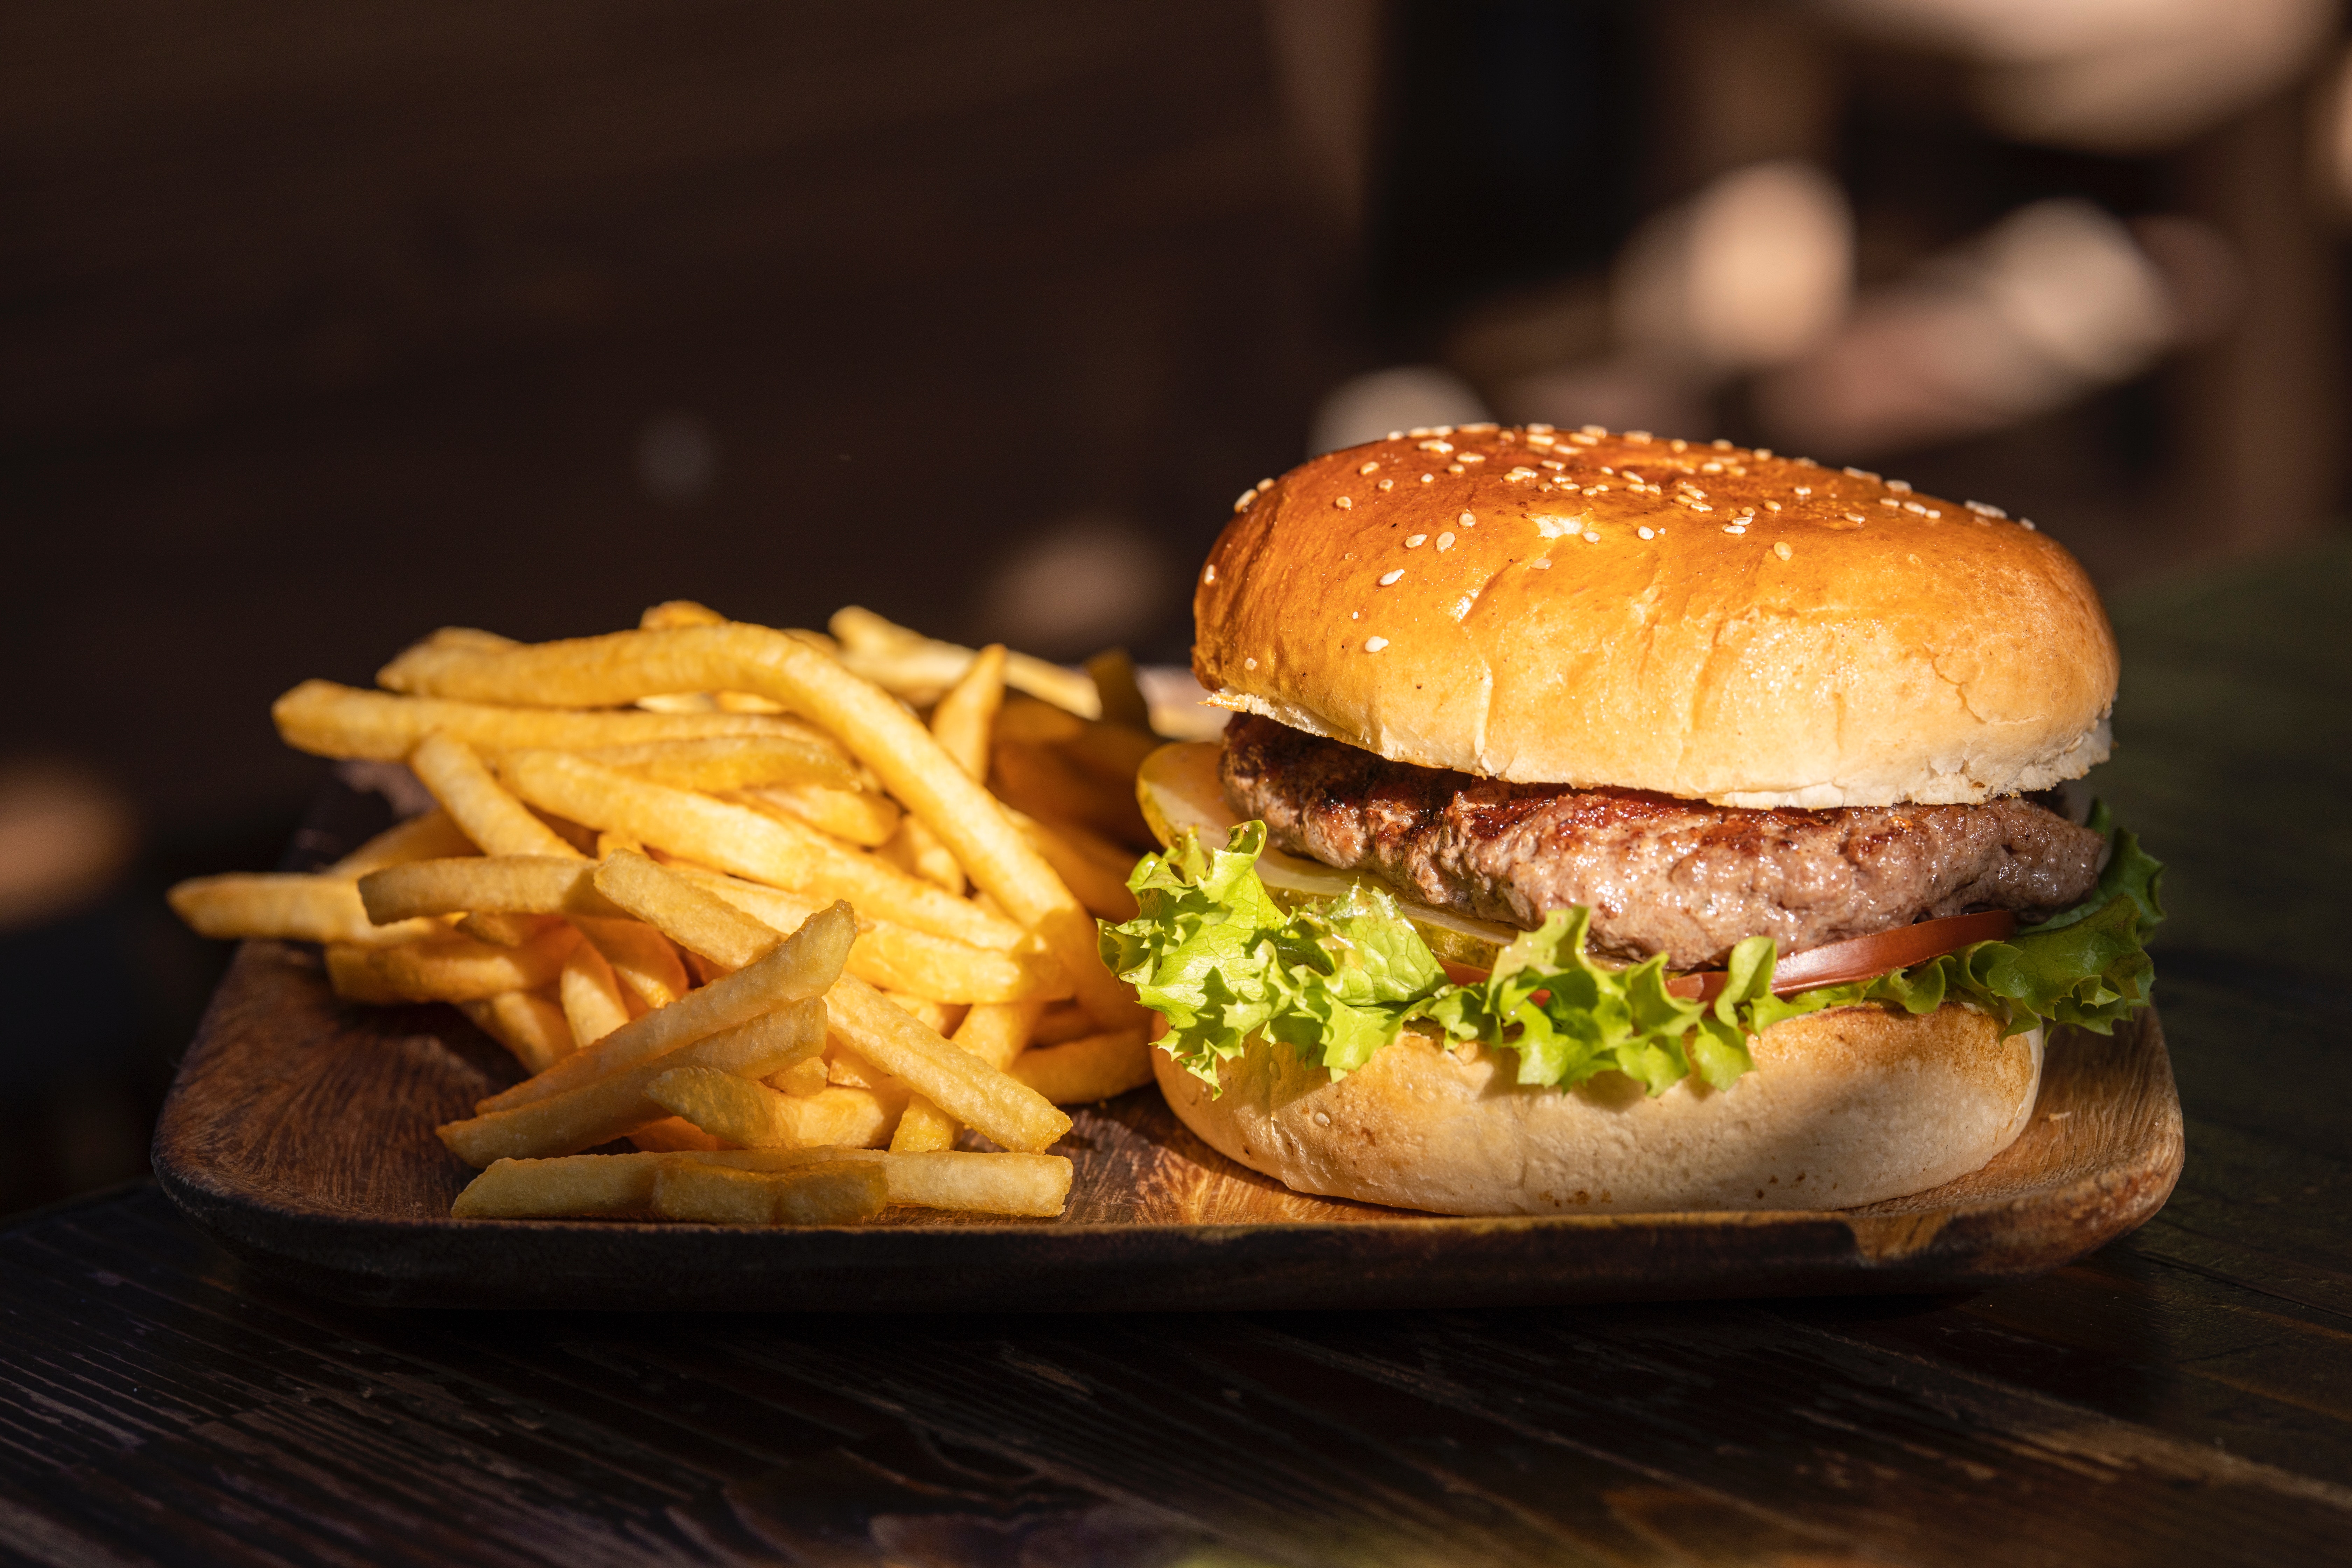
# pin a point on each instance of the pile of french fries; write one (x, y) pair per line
(786, 911)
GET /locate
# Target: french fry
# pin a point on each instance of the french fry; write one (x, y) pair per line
(966, 716)
(289, 907)
(756, 1116)
(1119, 696)
(503, 884)
(801, 966)
(446, 968)
(877, 731)
(891, 957)
(467, 637)
(527, 1024)
(481, 808)
(801, 1079)
(1059, 1025)
(942, 1017)
(330, 720)
(607, 842)
(590, 993)
(1095, 1067)
(737, 839)
(680, 613)
(855, 815)
(614, 1104)
(643, 962)
(731, 761)
(1031, 723)
(1044, 783)
(673, 1135)
(995, 1033)
(578, 1185)
(694, 917)
(844, 1117)
(1104, 893)
(917, 850)
(832, 1192)
(1035, 1185)
(431, 837)
(503, 930)
(868, 637)
(1008, 1114)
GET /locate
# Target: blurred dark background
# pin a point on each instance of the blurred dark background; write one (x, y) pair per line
(323, 326)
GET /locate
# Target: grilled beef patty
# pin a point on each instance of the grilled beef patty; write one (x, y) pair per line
(1661, 875)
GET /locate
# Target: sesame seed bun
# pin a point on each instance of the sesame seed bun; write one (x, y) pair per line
(1491, 600)
(1846, 1107)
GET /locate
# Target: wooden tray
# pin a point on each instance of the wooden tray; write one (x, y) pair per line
(300, 1134)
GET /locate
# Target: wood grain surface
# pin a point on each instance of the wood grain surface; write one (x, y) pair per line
(2182, 1396)
(300, 1133)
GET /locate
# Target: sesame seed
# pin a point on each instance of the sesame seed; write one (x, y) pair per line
(1679, 445)
(1440, 429)
(1241, 501)
(1804, 489)
(1637, 435)
(1345, 504)
(1591, 539)
(1710, 468)
(1518, 475)
(1630, 475)
(1855, 517)
(1374, 645)
(1555, 465)
(1445, 542)
(1932, 512)
(1390, 579)
(1646, 532)
(2027, 523)
(1540, 439)
(1763, 451)
(1733, 528)
(1720, 445)
(1209, 572)
(1543, 565)
(1437, 445)
(1535, 428)
(1473, 456)
(1482, 426)
(1396, 436)
(1413, 541)
(1468, 519)
(1429, 478)
(1890, 501)
(1915, 506)
(1781, 549)
(1454, 469)
(1265, 484)
(1418, 431)
(1373, 467)
(1249, 664)
(1984, 508)
(1900, 487)
(1355, 615)
(1771, 505)
(1388, 484)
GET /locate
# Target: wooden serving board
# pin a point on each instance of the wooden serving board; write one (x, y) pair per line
(300, 1134)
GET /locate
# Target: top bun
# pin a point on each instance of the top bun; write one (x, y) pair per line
(1701, 620)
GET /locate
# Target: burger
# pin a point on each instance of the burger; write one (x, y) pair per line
(1610, 822)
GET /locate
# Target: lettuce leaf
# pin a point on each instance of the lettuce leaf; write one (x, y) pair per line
(1333, 983)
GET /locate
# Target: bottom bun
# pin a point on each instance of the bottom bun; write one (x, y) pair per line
(1842, 1108)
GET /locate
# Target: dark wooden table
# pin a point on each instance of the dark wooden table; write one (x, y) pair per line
(2184, 1395)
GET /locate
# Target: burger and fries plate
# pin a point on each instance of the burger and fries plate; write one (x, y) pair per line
(780, 954)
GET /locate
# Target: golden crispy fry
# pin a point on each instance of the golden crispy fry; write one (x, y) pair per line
(1119, 695)
(647, 965)
(1032, 1184)
(733, 762)
(877, 731)
(966, 716)
(330, 720)
(801, 1078)
(878, 648)
(917, 850)
(893, 958)
(1061, 1024)
(680, 613)
(614, 1104)
(694, 917)
(446, 968)
(802, 966)
(1044, 783)
(527, 1024)
(846, 1116)
(1008, 1114)
(672, 1135)
(736, 838)
(479, 804)
(592, 1003)
(1095, 1067)
(503, 884)
(289, 907)
(431, 837)
(724, 1106)
(1112, 753)
(995, 1033)
(832, 1192)
(939, 1016)
(580, 1186)
(504, 929)
(609, 843)
(467, 637)
(855, 815)
(1104, 893)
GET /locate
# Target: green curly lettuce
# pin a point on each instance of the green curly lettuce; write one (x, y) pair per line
(1335, 981)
